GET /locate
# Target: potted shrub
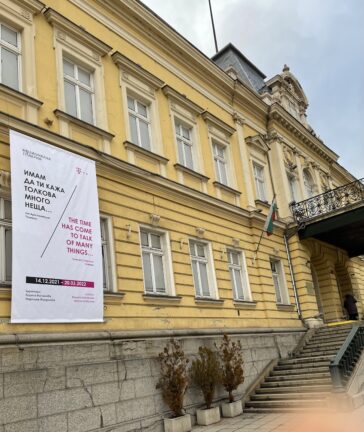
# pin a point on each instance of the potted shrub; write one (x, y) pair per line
(173, 383)
(205, 373)
(232, 374)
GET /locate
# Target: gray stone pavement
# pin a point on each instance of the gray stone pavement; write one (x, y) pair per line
(326, 422)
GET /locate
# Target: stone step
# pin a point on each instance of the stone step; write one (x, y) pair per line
(295, 389)
(303, 365)
(316, 353)
(333, 330)
(302, 377)
(299, 371)
(286, 410)
(295, 382)
(323, 346)
(289, 396)
(293, 403)
(328, 338)
(314, 344)
(303, 359)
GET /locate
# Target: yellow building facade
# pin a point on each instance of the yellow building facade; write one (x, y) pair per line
(189, 157)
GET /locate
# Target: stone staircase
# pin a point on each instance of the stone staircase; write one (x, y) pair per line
(302, 381)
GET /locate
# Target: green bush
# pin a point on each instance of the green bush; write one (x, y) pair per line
(174, 376)
(205, 373)
(231, 369)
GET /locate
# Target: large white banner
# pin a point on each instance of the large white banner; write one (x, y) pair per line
(57, 258)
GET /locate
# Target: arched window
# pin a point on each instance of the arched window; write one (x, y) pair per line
(309, 184)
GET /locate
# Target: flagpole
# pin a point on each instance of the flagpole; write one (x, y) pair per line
(213, 26)
(256, 250)
(263, 230)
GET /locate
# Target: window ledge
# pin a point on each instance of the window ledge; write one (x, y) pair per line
(138, 149)
(192, 172)
(209, 300)
(61, 114)
(20, 95)
(263, 203)
(226, 187)
(161, 297)
(245, 304)
(285, 307)
(113, 298)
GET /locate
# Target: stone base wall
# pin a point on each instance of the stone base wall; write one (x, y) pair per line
(108, 385)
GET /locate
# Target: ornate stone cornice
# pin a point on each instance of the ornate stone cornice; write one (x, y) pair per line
(129, 66)
(279, 115)
(209, 118)
(77, 32)
(143, 20)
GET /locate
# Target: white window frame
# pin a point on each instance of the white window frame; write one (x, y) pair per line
(261, 193)
(221, 160)
(79, 85)
(5, 224)
(243, 274)
(166, 260)
(278, 276)
(148, 120)
(178, 123)
(210, 269)
(20, 18)
(108, 253)
(15, 50)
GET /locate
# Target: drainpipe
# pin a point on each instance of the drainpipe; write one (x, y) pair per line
(297, 300)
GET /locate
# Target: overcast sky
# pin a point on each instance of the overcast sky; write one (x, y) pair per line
(322, 41)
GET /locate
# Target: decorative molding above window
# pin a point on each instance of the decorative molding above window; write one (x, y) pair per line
(182, 100)
(216, 122)
(34, 6)
(258, 142)
(63, 115)
(76, 32)
(142, 74)
(131, 146)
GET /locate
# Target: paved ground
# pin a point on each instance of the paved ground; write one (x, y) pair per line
(343, 422)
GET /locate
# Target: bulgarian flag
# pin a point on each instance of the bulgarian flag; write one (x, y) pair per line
(272, 216)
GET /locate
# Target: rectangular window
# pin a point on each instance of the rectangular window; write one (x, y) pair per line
(239, 275)
(201, 269)
(259, 182)
(184, 144)
(107, 261)
(139, 122)
(10, 51)
(278, 281)
(78, 91)
(153, 256)
(5, 241)
(220, 163)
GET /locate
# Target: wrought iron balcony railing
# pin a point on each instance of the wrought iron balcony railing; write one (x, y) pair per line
(328, 202)
(343, 364)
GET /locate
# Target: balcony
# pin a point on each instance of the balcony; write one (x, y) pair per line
(335, 217)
